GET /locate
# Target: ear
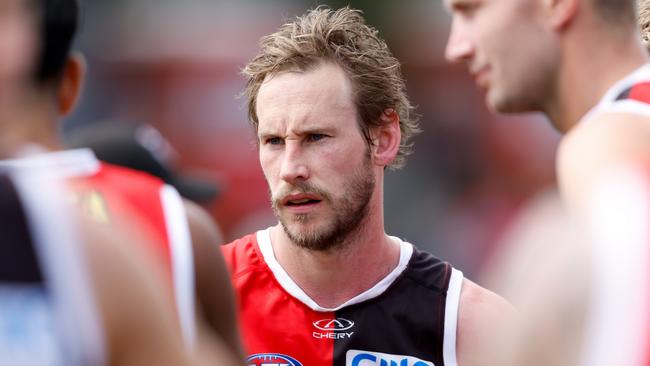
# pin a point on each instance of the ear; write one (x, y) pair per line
(386, 138)
(561, 12)
(71, 84)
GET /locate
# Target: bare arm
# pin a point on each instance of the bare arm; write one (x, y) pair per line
(138, 314)
(214, 292)
(595, 147)
(485, 320)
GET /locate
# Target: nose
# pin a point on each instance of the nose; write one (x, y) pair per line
(294, 167)
(459, 46)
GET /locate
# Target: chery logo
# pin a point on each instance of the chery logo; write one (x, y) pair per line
(333, 328)
(338, 324)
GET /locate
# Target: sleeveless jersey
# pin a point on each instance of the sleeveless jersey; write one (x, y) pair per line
(407, 319)
(618, 320)
(47, 311)
(115, 195)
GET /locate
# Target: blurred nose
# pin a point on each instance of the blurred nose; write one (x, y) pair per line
(459, 46)
(294, 167)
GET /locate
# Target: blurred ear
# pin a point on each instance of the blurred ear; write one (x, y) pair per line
(71, 84)
(561, 12)
(386, 138)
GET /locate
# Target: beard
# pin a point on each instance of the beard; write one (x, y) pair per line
(348, 212)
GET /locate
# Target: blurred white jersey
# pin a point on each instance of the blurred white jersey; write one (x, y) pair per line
(48, 314)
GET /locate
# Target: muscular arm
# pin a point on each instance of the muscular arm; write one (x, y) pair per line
(215, 296)
(485, 320)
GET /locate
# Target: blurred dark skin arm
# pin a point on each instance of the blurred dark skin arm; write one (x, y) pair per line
(216, 300)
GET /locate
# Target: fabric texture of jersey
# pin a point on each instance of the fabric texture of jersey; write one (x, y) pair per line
(48, 314)
(116, 195)
(406, 319)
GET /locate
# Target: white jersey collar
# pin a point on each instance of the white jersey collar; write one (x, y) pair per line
(605, 103)
(65, 163)
(264, 242)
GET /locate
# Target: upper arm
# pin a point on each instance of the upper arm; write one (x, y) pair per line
(213, 289)
(138, 316)
(596, 146)
(484, 319)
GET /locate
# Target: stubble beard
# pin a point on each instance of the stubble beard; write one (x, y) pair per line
(349, 213)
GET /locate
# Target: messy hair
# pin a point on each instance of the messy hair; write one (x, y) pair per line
(343, 38)
(644, 21)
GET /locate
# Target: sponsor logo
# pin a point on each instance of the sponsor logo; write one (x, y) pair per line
(333, 328)
(366, 358)
(271, 359)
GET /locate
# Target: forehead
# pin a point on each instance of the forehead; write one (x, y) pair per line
(324, 90)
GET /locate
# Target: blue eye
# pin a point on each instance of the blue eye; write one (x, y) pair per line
(274, 141)
(316, 137)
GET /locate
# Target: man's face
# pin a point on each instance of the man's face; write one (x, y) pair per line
(314, 156)
(508, 49)
(17, 40)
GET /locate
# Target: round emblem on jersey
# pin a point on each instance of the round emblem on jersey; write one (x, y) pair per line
(271, 359)
(331, 325)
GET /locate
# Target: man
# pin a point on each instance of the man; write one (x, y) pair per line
(58, 286)
(327, 285)
(177, 234)
(578, 61)
(581, 63)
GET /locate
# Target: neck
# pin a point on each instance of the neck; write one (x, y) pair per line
(592, 65)
(24, 124)
(331, 278)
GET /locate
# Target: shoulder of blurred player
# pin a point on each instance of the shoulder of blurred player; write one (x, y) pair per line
(594, 146)
(481, 315)
(137, 312)
(214, 292)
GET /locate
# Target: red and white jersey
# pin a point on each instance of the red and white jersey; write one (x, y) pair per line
(408, 318)
(629, 95)
(117, 195)
(618, 219)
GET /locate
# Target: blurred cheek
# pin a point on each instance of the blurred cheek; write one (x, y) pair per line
(17, 49)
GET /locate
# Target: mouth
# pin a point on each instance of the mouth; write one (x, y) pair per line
(480, 76)
(301, 203)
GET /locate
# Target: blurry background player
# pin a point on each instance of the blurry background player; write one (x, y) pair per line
(582, 64)
(63, 302)
(118, 196)
(141, 147)
(326, 285)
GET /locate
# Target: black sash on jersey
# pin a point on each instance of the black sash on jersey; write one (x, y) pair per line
(18, 260)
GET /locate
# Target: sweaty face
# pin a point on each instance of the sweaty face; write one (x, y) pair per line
(314, 157)
(509, 51)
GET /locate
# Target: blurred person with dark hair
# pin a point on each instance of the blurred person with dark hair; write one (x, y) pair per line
(179, 235)
(327, 285)
(70, 294)
(581, 62)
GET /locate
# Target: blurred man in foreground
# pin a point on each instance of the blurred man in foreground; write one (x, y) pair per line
(581, 63)
(179, 237)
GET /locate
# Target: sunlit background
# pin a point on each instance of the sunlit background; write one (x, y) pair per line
(175, 64)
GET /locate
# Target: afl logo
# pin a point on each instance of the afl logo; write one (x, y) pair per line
(331, 325)
(271, 359)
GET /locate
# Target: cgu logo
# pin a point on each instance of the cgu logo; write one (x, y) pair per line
(365, 358)
(271, 359)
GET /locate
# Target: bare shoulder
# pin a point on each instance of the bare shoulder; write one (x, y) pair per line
(482, 314)
(597, 145)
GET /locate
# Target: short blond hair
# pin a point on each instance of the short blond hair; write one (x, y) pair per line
(343, 38)
(643, 8)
